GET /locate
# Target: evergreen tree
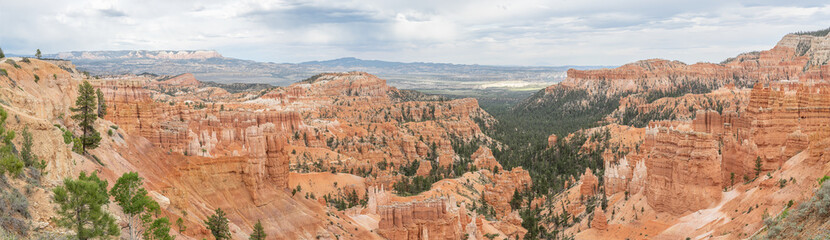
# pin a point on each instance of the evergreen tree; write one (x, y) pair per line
(218, 225)
(8, 160)
(134, 202)
(180, 225)
(159, 229)
(2, 55)
(37, 54)
(758, 166)
(259, 232)
(102, 104)
(86, 115)
(516, 202)
(80, 203)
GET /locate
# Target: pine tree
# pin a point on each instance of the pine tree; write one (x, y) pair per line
(8, 160)
(2, 55)
(26, 149)
(134, 202)
(516, 202)
(37, 54)
(85, 113)
(159, 229)
(218, 225)
(758, 166)
(80, 203)
(102, 104)
(180, 225)
(259, 232)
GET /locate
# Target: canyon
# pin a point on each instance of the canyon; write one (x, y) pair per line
(751, 132)
(245, 152)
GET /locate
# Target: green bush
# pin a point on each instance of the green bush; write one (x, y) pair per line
(13, 63)
(67, 136)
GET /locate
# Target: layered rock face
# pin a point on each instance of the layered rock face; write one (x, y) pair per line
(683, 170)
(428, 219)
(693, 171)
(684, 165)
(260, 136)
(599, 221)
(358, 116)
(483, 159)
(344, 84)
(504, 185)
(795, 57)
(589, 183)
(687, 164)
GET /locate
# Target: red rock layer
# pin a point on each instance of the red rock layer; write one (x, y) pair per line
(795, 57)
(505, 183)
(683, 170)
(427, 219)
(688, 166)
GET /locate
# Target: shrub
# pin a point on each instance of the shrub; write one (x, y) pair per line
(13, 63)
(821, 180)
(13, 206)
(37, 78)
(67, 136)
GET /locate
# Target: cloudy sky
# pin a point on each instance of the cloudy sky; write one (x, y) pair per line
(499, 32)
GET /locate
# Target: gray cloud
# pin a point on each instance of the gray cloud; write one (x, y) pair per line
(505, 32)
(112, 12)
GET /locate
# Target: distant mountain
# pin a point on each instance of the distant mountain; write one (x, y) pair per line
(212, 66)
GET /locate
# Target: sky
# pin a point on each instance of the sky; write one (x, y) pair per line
(492, 32)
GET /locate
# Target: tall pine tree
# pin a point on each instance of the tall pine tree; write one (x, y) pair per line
(134, 202)
(84, 110)
(102, 104)
(80, 203)
(259, 232)
(218, 225)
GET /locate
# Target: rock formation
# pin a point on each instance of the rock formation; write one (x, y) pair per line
(599, 222)
(589, 183)
(483, 159)
(428, 219)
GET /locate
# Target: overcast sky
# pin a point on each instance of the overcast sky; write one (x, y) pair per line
(503, 32)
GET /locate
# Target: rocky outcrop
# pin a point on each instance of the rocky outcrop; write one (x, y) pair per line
(428, 219)
(683, 170)
(552, 140)
(505, 183)
(344, 84)
(687, 166)
(589, 183)
(599, 221)
(186, 80)
(483, 159)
